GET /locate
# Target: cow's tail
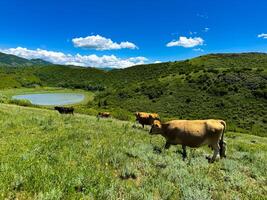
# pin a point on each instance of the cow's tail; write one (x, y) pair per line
(224, 124)
(222, 143)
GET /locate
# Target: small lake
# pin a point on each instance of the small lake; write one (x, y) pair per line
(52, 99)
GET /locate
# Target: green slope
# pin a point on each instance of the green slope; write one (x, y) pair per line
(9, 60)
(45, 155)
(228, 86)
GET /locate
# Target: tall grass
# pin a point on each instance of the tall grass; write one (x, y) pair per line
(45, 155)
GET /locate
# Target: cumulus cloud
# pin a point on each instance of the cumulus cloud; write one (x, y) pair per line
(100, 43)
(79, 60)
(198, 49)
(263, 35)
(186, 42)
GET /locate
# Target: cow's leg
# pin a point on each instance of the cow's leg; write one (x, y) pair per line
(167, 145)
(223, 149)
(216, 152)
(184, 152)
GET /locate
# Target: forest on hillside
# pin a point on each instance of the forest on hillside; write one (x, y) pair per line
(228, 86)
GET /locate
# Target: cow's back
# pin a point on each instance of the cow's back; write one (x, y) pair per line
(192, 133)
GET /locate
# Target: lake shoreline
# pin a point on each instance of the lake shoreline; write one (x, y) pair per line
(51, 99)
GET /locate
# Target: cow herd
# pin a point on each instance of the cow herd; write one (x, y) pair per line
(187, 133)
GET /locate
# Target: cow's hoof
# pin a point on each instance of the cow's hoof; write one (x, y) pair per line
(211, 161)
(208, 158)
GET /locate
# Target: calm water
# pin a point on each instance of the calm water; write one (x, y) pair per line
(55, 99)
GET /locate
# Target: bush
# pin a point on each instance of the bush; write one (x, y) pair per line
(3, 98)
(152, 91)
(219, 91)
(260, 93)
(121, 115)
(20, 102)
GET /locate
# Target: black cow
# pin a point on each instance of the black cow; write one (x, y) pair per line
(64, 110)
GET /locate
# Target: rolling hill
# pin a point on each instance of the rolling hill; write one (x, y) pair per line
(228, 86)
(9, 60)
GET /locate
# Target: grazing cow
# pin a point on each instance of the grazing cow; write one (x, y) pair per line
(146, 118)
(193, 133)
(104, 114)
(64, 110)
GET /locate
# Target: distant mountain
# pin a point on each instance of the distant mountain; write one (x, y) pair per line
(107, 68)
(8, 60)
(40, 62)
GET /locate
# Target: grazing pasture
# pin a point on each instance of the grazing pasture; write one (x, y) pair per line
(45, 155)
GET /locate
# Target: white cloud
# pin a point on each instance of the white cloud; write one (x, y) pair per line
(79, 60)
(98, 42)
(192, 33)
(263, 35)
(158, 61)
(186, 42)
(198, 49)
(206, 29)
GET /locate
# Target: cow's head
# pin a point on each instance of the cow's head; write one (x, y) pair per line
(156, 128)
(136, 115)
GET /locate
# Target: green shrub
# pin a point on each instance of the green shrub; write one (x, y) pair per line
(218, 91)
(261, 93)
(121, 115)
(20, 102)
(3, 98)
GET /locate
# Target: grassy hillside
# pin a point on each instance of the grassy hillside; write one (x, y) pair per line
(225, 86)
(232, 60)
(45, 155)
(228, 86)
(15, 61)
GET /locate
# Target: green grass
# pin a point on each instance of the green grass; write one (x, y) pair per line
(232, 87)
(45, 155)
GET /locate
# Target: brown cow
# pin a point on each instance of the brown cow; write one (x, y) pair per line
(193, 133)
(104, 114)
(146, 118)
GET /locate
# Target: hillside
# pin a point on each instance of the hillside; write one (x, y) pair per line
(45, 155)
(212, 86)
(228, 86)
(9, 60)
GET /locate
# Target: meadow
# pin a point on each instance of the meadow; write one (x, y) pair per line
(45, 155)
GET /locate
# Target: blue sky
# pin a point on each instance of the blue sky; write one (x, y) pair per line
(121, 33)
